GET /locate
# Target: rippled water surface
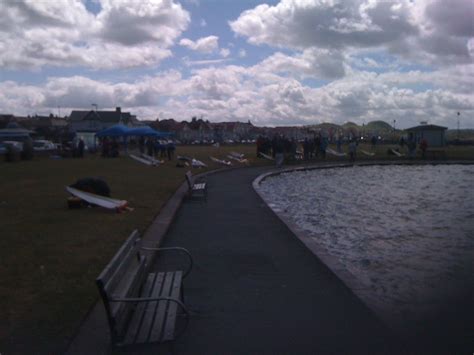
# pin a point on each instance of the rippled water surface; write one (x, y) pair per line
(405, 232)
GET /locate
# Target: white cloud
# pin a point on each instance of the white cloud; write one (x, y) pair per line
(190, 63)
(224, 52)
(430, 32)
(34, 34)
(238, 93)
(320, 63)
(203, 23)
(204, 45)
(242, 53)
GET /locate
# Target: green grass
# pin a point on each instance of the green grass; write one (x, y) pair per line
(50, 255)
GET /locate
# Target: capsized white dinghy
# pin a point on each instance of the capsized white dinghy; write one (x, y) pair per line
(263, 155)
(237, 155)
(333, 152)
(197, 163)
(367, 153)
(153, 160)
(240, 160)
(140, 159)
(98, 200)
(398, 154)
(184, 158)
(219, 161)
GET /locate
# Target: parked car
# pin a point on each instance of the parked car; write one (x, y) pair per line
(42, 145)
(11, 150)
(14, 144)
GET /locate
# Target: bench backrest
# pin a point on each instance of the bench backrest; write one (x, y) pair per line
(122, 277)
(190, 180)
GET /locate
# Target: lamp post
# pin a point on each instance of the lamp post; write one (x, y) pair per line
(459, 133)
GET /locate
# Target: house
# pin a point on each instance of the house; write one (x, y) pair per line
(195, 131)
(235, 131)
(94, 121)
(434, 135)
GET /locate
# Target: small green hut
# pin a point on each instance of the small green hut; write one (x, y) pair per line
(434, 135)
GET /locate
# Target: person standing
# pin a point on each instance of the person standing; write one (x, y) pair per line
(423, 147)
(149, 146)
(80, 148)
(170, 148)
(339, 143)
(279, 151)
(323, 146)
(317, 144)
(374, 142)
(352, 151)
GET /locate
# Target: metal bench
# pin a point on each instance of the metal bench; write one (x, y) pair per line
(196, 189)
(142, 307)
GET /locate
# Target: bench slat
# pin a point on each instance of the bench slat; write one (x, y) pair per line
(137, 319)
(173, 308)
(157, 331)
(151, 309)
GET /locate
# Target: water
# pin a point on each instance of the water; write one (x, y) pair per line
(405, 232)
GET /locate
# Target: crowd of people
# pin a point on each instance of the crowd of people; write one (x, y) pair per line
(110, 147)
(156, 148)
(282, 148)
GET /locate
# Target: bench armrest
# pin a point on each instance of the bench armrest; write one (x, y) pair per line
(150, 299)
(183, 250)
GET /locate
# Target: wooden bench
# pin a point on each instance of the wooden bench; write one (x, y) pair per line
(196, 189)
(142, 307)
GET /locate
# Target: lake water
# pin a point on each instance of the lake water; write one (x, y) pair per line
(405, 232)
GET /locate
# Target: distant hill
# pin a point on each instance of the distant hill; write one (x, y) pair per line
(328, 126)
(378, 126)
(350, 125)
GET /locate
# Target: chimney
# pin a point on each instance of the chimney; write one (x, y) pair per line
(118, 109)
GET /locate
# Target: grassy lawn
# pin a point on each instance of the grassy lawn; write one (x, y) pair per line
(50, 255)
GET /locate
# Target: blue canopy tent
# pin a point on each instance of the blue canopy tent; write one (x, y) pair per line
(146, 131)
(118, 130)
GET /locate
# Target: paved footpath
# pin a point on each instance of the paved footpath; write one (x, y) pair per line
(256, 288)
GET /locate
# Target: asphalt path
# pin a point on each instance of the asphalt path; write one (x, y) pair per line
(256, 288)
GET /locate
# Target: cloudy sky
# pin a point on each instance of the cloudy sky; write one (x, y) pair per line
(287, 62)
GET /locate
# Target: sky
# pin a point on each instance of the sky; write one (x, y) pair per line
(288, 62)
